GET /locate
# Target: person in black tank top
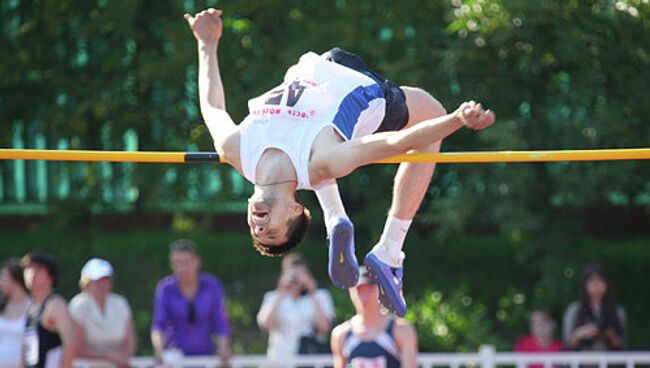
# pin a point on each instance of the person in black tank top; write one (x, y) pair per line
(50, 340)
(381, 351)
(40, 342)
(370, 338)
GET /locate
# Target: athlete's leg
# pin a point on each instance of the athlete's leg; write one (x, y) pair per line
(411, 184)
(342, 266)
(412, 179)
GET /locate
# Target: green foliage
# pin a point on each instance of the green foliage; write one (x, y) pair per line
(453, 324)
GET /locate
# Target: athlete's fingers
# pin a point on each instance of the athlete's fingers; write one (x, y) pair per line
(488, 119)
(473, 111)
(188, 17)
(491, 116)
(217, 15)
(477, 109)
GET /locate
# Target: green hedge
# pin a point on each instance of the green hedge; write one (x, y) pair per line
(462, 292)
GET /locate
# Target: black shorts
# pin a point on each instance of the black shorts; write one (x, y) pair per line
(396, 115)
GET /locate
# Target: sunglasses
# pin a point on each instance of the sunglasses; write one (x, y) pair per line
(191, 315)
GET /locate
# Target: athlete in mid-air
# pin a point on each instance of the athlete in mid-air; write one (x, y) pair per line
(330, 116)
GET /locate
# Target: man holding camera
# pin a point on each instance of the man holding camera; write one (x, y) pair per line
(297, 315)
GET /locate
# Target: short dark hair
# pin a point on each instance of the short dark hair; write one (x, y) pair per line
(296, 230)
(183, 245)
(43, 260)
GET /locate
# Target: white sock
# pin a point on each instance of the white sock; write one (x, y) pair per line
(389, 248)
(331, 203)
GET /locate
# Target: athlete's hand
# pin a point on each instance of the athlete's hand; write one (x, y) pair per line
(473, 116)
(206, 26)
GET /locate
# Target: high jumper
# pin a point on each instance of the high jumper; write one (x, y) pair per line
(330, 116)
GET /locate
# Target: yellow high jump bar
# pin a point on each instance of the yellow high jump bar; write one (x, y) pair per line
(446, 157)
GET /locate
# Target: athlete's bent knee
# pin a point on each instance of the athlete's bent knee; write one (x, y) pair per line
(422, 106)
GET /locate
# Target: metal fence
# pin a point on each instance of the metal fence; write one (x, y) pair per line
(486, 357)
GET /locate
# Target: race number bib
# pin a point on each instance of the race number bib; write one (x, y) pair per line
(359, 362)
(31, 346)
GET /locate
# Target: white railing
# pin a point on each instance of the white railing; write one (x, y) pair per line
(487, 357)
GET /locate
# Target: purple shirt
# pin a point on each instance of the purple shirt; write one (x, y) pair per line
(171, 315)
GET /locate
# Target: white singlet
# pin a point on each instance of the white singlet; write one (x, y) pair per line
(11, 338)
(315, 93)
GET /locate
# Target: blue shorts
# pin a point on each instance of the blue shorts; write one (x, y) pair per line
(396, 114)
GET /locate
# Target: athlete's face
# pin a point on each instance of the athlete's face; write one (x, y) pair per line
(365, 297)
(268, 218)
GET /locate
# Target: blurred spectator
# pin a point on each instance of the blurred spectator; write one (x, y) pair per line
(596, 321)
(189, 310)
(542, 336)
(14, 303)
(296, 314)
(104, 319)
(371, 338)
(50, 339)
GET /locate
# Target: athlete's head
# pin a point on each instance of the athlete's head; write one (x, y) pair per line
(365, 296)
(277, 225)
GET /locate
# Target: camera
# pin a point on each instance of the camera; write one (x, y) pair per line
(601, 323)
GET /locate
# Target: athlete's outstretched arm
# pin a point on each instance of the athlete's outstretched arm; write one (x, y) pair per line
(207, 29)
(348, 156)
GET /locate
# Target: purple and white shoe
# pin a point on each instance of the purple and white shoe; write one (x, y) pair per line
(342, 267)
(389, 281)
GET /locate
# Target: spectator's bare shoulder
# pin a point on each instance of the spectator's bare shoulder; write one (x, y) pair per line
(338, 334)
(340, 330)
(56, 303)
(56, 310)
(404, 332)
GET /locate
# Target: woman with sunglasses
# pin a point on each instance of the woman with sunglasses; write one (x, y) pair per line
(189, 310)
(104, 320)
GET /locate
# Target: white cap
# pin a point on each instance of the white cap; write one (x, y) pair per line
(96, 269)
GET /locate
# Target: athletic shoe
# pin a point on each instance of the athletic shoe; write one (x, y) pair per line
(389, 281)
(342, 267)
